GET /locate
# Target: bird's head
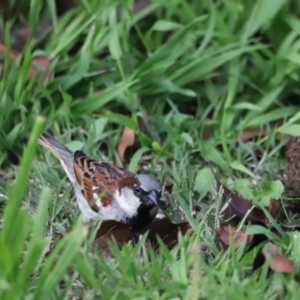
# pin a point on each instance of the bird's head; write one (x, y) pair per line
(139, 196)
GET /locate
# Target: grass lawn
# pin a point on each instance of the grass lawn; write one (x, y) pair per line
(197, 81)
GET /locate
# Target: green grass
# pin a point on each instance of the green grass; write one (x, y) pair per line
(184, 67)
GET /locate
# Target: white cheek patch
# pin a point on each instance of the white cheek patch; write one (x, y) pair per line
(128, 202)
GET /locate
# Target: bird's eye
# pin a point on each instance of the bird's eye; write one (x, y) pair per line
(137, 189)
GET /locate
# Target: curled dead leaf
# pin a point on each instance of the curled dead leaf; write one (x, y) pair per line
(167, 231)
(230, 233)
(40, 65)
(236, 206)
(113, 227)
(163, 228)
(127, 140)
(111, 230)
(277, 262)
(251, 133)
(274, 207)
(280, 263)
(13, 54)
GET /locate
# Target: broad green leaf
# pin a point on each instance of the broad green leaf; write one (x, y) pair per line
(136, 158)
(162, 57)
(243, 187)
(293, 129)
(122, 120)
(247, 106)
(269, 190)
(97, 128)
(187, 138)
(162, 25)
(201, 67)
(98, 101)
(262, 12)
(114, 45)
(256, 229)
(237, 165)
(156, 146)
(210, 153)
(204, 181)
(276, 114)
(75, 145)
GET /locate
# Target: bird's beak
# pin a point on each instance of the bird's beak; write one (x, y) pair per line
(152, 196)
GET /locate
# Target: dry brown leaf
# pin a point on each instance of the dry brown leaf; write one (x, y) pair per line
(111, 230)
(167, 231)
(274, 207)
(236, 206)
(277, 262)
(13, 53)
(251, 133)
(39, 64)
(127, 140)
(230, 233)
(280, 263)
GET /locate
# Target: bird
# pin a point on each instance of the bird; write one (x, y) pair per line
(105, 191)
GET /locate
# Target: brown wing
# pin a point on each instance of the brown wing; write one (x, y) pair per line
(96, 177)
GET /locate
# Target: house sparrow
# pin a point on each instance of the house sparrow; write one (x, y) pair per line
(104, 191)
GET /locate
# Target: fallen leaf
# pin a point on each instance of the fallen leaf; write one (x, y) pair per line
(166, 231)
(277, 262)
(111, 230)
(119, 229)
(280, 263)
(274, 207)
(162, 228)
(251, 133)
(230, 233)
(204, 181)
(236, 206)
(13, 53)
(127, 140)
(239, 207)
(39, 64)
(20, 36)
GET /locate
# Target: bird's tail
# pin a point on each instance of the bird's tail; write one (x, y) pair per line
(64, 154)
(55, 147)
